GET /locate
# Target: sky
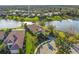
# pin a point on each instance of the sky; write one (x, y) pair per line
(39, 2)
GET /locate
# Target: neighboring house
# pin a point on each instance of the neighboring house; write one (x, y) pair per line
(24, 14)
(46, 14)
(56, 13)
(35, 28)
(33, 14)
(1, 35)
(38, 14)
(15, 40)
(50, 14)
(2, 13)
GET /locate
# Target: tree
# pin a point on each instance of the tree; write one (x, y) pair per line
(51, 28)
(17, 18)
(58, 18)
(72, 39)
(42, 23)
(35, 19)
(62, 35)
(4, 49)
(1, 41)
(77, 36)
(66, 17)
(20, 51)
(63, 46)
(49, 19)
(62, 43)
(31, 19)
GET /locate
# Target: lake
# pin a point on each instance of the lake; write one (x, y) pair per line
(65, 25)
(9, 23)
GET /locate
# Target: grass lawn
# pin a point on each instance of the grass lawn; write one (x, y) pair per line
(30, 43)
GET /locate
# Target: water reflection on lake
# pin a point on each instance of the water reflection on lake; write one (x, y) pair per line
(9, 23)
(65, 25)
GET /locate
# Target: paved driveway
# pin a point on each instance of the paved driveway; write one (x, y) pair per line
(45, 49)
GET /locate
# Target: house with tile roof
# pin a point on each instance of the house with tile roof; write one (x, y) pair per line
(15, 40)
(35, 28)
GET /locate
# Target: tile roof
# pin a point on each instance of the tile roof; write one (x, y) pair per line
(19, 35)
(35, 28)
(14, 47)
(9, 41)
